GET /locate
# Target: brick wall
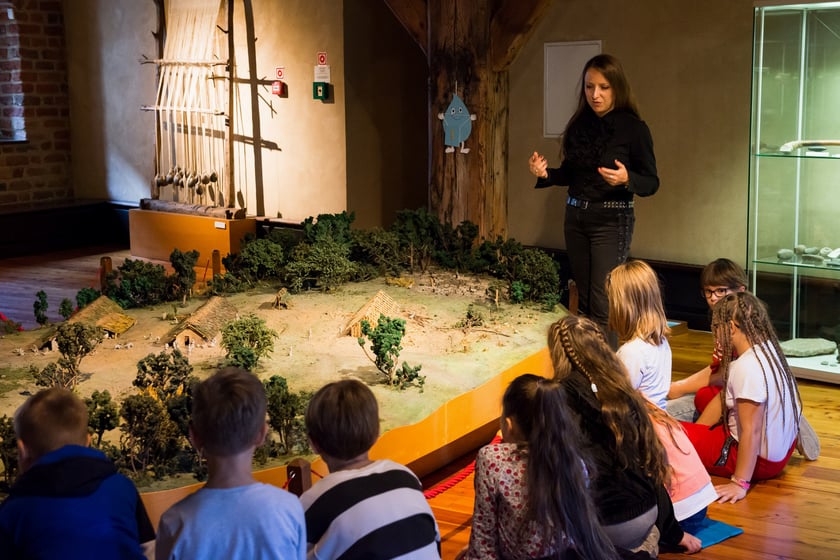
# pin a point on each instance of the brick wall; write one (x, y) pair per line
(35, 164)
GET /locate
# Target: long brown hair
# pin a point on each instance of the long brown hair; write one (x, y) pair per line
(578, 347)
(750, 315)
(566, 515)
(611, 68)
(635, 303)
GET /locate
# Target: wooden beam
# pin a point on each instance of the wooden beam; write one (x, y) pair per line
(413, 15)
(511, 26)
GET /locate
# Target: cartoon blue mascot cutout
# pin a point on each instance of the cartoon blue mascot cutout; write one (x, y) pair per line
(457, 125)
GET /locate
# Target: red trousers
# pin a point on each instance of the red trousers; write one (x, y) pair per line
(709, 442)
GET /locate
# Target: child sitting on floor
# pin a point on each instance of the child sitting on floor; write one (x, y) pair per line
(637, 316)
(363, 508)
(233, 516)
(69, 501)
(529, 501)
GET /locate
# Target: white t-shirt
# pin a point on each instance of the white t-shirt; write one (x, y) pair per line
(649, 368)
(746, 381)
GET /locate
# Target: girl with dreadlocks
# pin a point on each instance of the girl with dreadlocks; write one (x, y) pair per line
(528, 498)
(750, 432)
(628, 461)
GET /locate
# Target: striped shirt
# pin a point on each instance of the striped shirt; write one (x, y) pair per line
(375, 512)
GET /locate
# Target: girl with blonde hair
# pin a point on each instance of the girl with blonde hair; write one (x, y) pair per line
(637, 316)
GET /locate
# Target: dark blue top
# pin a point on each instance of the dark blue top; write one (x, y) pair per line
(73, 504)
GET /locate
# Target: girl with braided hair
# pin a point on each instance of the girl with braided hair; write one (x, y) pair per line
(750, 432)
(628, 462)
(528, 498)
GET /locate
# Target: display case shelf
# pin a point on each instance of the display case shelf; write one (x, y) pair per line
(795, 173)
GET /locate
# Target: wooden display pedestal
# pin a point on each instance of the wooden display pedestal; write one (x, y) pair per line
(153, 235)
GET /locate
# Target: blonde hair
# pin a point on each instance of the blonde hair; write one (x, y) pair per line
(635, 301)
(51, 419)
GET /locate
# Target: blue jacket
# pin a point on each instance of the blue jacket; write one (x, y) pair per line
(72, 503)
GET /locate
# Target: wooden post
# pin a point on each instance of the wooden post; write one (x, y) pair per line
(217, 262)
(471, 186)
(298, 476)
(105, 268)
(471, 44)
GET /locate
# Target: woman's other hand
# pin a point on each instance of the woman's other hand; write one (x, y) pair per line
(538, 165)
(617, 177)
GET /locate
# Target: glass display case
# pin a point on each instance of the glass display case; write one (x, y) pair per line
(794, 226)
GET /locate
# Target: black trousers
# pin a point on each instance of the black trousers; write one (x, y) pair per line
(597, 240)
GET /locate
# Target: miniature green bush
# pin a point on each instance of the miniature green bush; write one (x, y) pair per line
(285, 414)
(137, 284)
(324, 265)
(40, 307)
(418, 232)
(260, 259)
(456, 249)
(245, 334)
(8, 450)
(335, 227)
(378, 248)
(75, 341)
(65, 308)
(182, 281)
(386, 345)
(537, 272)
(86, 296)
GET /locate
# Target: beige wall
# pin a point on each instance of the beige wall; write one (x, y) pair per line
(113, 141)
(689, 63)
(690, 66)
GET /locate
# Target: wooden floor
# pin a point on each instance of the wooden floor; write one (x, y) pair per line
(795, 516)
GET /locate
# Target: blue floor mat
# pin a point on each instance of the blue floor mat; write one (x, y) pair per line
(714, 532)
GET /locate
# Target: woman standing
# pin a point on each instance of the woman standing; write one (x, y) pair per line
(607, 157)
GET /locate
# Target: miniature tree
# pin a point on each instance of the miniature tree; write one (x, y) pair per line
(260, 259)
(8, 450)
(137, 284)
(323, 265)
(183, 279)
(150, 441)
(40, 307)
(156, 423)
(379, 249)
(285, 414)
(386, 346)
(103, 414)
(75, 341)
(418, 231)
(65, 308)
(247, 333)
(329, 226)
(86, 296)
